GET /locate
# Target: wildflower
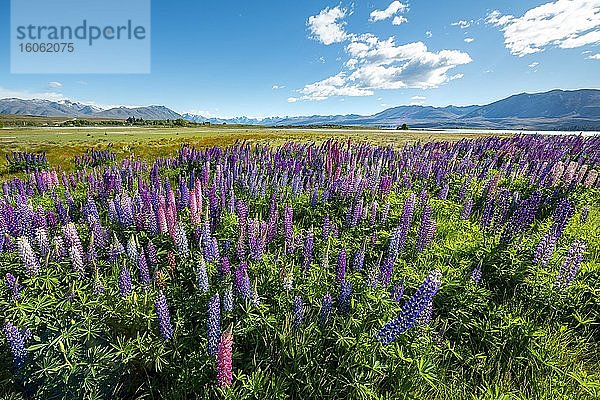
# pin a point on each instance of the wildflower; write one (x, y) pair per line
(397, 292)
(298, 311)
(467, 207)
(570, 265)
(32, 265)
(411, 309)
(13, 285)
(16, 341)
(213, 324)
(224, 374)
(181, 241)
(77, 261)
(326, 309)
(344, 299)
(143, 269)
(228, 300)
(202, 276)
(359, 257)
(164, 319)
(125, 288)
(476, 274)
(241, 281)
(341, 266)
(545, 248)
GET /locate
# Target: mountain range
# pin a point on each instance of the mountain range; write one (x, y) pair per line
(556, 109)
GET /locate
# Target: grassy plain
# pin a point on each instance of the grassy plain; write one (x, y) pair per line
(62, 143)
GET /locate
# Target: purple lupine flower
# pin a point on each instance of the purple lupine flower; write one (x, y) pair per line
(426, 230)
(466, 210)
(143, 269)
(426, 315)
(476, 274)
(308, 251)
(386, 212)
(326, 310)
(359, 257)
(241, 281)
(443, 194)
(344, 299)
(13, 285)
(397, 292)
(228, 300)
(298, 311)
(28, 257)
(125, 288)
(164, 318)
(570, 265)
(152, 255)
(202, 276)
(287, 229)
(341, 266)
(225, 266)
(405, 222)
(16, 342)
(385, 273)
(411, 309)
(213, 324)
(545, 248)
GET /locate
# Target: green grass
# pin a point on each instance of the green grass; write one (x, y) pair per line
(62, 144)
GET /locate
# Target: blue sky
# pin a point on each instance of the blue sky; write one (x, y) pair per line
(269, 58)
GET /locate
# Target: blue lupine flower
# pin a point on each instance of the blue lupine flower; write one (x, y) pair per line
(344, 299)
(298, 311)
(326, 309)
(213, 324)
(411, 309)
(164, 318)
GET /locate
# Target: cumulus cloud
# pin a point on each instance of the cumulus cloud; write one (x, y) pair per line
(594, 57)
(394, 8)
(277, 87)
(55, 85)
(381, 64)
(533, 64)
(399, 20)
(373, 63)
(469, 40)
(562, 23)
(327, 27)
(462, 24)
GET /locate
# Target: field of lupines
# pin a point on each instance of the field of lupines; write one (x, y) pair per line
(464, 269)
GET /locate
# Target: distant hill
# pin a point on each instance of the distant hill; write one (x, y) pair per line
(67, 108)
(553, 110)
(556, 109)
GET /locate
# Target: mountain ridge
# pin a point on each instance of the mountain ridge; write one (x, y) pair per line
(555, 109)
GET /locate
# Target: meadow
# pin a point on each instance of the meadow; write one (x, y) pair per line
(298, 264)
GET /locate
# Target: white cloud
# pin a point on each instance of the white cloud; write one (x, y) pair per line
(594, 57)
(399, 20)
(533, 64)
(562, 23)
(394, 8)
(292, 99)
(378, 64)
(462, 24)
(337, 85)
(277, 87)
(469, 40)
(418, 98)
(27, 95)
(55, 85)
(327, 27)
(428, 34)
